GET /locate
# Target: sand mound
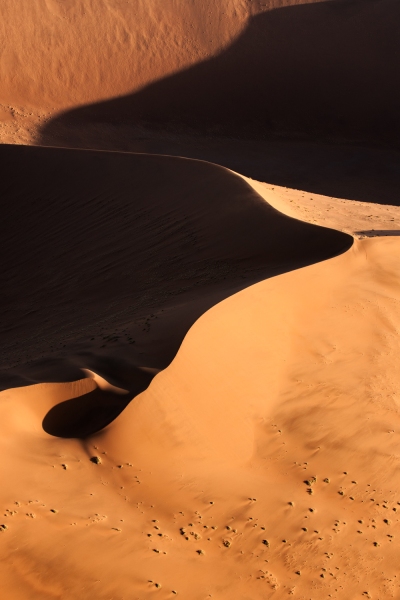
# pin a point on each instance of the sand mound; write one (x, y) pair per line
(261, 461)
(321, 69)
(121, 253)
(145, 76)
(220, 413)
(247, 67)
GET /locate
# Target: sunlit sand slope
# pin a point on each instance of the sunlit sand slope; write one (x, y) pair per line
(108, 258)
(249, 67)
(262, 462)
(59, 53)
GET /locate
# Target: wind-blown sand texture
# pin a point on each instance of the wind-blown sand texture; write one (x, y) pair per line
(270, 390)
(200, 306)
(327, 67)
(124, 252)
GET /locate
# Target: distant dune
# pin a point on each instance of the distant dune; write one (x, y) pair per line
(244, 67)
(261, 463)
(62, 53)
(319, 69)
(200, 299)
(314, 82)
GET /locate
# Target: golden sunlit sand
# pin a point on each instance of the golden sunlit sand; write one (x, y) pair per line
(269, 445)
(200, 300)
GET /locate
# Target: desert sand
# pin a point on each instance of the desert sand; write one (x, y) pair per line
(200, 300)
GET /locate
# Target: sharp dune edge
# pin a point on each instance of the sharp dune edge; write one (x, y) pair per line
(199, 370)
(269, 390)
(124, 252)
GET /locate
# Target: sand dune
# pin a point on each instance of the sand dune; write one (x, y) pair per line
(270, 389)
(199, 341)
(339, 170)
(65, 53)
(359, 219)
(320, 69)
(121, 253)
(144, 76)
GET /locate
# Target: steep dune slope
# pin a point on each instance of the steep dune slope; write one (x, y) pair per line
(320, 69)
(245, 67)
(59, 54)
(285, 69)
(108, 259)
(262, 462)
(214, 411)
(289, 73)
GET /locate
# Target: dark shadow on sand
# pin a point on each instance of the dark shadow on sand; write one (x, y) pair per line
(295, 101)
(108, 259)
(379, 232)
(82, 416)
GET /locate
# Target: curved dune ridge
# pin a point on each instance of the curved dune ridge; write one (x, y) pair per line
(311, 69)
(308, 79)
(248, 67)
(198, 390)
(261, 461)
(121, 253)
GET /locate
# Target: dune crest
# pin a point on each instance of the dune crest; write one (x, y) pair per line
(102, 383)
(315, 70)
(123, 253)
(200, 293)
(250, 465)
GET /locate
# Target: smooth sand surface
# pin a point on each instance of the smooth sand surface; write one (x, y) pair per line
(322, 69)
(292, 379)
(359, 219)
(200, 299)
(121, 253)
(97, 50)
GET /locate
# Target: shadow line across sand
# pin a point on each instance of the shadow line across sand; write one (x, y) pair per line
(82, 416)
(109, 258)
(292, 101)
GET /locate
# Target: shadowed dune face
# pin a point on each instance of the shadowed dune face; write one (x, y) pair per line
(365, 174)
(292, 71)
(84, 415)
(90, 410)
(264, 456)
(58, 54)
(263, 460)
(109, 258)
(279, 69)
(317, 69)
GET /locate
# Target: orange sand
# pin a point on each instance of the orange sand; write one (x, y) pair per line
(199, 363)
(270, 388)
